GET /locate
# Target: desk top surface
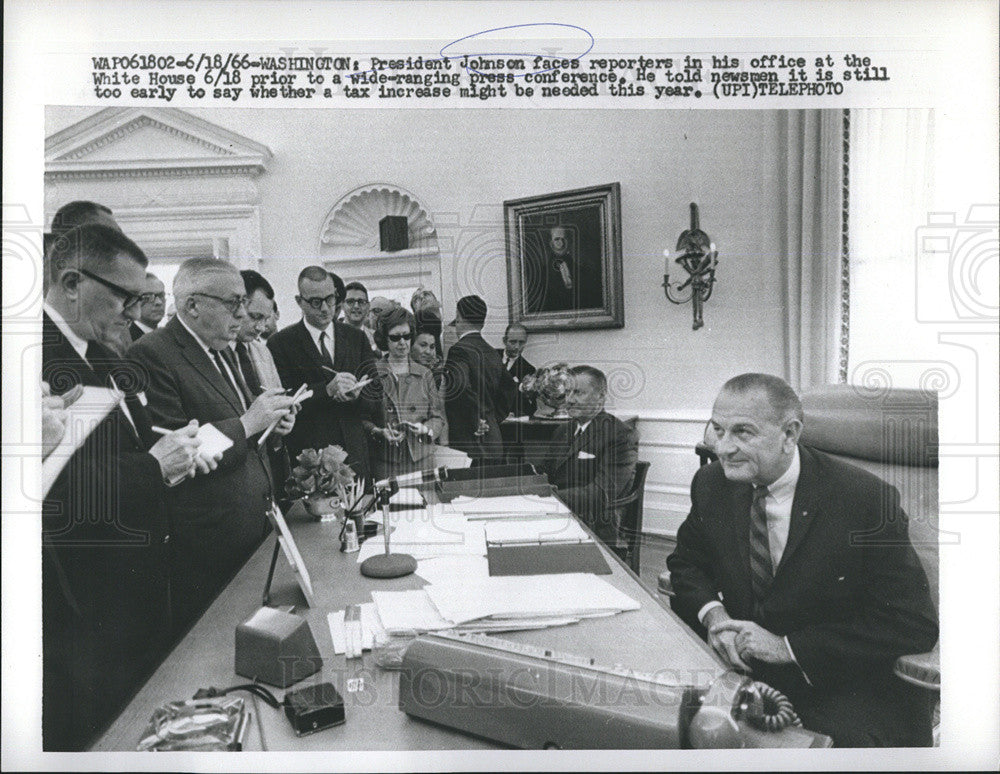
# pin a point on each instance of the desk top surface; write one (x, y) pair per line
(649, 639)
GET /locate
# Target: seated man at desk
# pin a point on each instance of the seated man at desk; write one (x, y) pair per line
(800, 569)
(591, 460)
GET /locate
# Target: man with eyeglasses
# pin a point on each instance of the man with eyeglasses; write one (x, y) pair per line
(192, 372)
(105, 528)
(152, 307)
(331, 357)
(356, 308)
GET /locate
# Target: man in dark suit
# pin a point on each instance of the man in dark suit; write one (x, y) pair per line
(105, 583)
(514, 340)
(801, 570)
(151, 310)
(478, 390)
(331, 357)
(591, 460)
(219, 519)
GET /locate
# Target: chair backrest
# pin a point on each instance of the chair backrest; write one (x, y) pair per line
(630, 527)
(892, 433)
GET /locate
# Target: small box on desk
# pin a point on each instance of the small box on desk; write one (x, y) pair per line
(393, 233)
(276, 648)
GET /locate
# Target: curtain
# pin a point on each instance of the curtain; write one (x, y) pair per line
(813, 217)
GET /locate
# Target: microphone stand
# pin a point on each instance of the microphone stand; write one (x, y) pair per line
(387, 565)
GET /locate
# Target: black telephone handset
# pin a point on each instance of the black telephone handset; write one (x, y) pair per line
(732, 698)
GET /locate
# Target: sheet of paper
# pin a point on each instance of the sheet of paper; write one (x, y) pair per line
(526, 596)
(446, 457)
(452, 569)
(560, 528)
(213, 441)
(405, 612)
(509, 505)
(371, 626)
(89, 410)
(423, 535)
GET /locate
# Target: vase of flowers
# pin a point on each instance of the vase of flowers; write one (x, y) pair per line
(323, 481)
(549, 385)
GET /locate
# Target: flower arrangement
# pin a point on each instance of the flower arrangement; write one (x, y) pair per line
(322, 475)
(550, 385)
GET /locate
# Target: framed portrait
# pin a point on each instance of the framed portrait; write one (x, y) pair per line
(564, 260)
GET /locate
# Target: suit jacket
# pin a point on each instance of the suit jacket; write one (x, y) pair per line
(477, 386)
(592, 468)
(135, 331)
(524, 403)
(849, 593)
(105, 574)
(322, 420)
(217, 519)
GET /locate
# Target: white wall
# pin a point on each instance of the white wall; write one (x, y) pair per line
(462, 165)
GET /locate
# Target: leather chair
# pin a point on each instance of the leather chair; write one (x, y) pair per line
(892, 433)
(630, 507)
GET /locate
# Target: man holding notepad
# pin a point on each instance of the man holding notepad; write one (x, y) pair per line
(218, 519)
(336, 362)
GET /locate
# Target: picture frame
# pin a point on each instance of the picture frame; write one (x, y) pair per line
(564, 260)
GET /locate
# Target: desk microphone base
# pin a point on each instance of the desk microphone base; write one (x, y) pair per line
(388, 566)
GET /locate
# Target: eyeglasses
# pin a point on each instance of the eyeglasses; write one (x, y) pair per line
(154, 297)
(129, 299)
(356, 302)
(317, 303)
(232, 304)
(395, 337)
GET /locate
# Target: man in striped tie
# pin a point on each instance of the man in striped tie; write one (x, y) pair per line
(768, 566)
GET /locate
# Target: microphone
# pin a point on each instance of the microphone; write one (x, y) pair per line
(394, 483)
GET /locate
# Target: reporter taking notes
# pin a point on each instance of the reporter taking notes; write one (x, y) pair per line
(105, 528)
(218, 519)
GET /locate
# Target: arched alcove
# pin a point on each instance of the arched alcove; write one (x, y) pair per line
(349, 242)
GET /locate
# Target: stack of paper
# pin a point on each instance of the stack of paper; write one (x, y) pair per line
(508, 505)
(408, 497)
(452, 569)
(577, 595)
(550, 530)
(371, 626)
(413, 612)
(423, 535)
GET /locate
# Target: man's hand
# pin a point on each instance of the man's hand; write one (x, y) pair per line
(284, 427)
(341, 384)
(754, 641)
(269, 406)
(54, 418)
(177, 453)
(723, 641)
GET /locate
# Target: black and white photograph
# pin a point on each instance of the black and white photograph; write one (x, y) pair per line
(650, 423)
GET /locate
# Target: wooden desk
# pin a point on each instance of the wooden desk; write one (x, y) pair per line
(649, 639)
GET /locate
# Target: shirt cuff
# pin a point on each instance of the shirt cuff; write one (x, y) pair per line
(709, 606)
(796, 661)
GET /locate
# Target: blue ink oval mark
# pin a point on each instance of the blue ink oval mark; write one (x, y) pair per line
(518, 53)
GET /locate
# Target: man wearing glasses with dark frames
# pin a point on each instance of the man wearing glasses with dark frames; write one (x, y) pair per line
(151, 308)
(331, 357)
(106, 533)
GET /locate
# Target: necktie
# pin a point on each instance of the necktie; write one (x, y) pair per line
(761, 569)
(246, 366)
(323, 351)
(221, 362)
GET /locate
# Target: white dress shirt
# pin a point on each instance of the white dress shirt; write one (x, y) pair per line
(143, 327)
(315, 333)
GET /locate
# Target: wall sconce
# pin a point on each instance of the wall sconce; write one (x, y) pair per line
(697, 255)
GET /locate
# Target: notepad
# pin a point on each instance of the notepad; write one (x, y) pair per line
(85, 414)
(213, 441)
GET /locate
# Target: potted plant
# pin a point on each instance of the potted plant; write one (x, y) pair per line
(549, 385)
(323, 481)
